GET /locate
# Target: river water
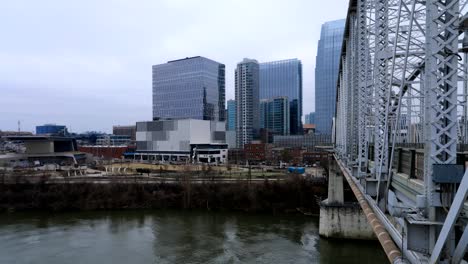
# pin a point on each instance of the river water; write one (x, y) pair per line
(173, 237)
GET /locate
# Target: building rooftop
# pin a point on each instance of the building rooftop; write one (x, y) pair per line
(247, 60)
(279, 62)
(38, 138)
(186, 58)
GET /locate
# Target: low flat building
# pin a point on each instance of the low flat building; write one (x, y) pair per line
(125, 131)
(318, 157)
(51, 129)
(181, 140)
(310, 142)
(113, 140)
(286, 155)
(107, 152)
(14, 133)
(236, 156)
(257, 152)
(44, 150)
(308, 129)
(7, 145)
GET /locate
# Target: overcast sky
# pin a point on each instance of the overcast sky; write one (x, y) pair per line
(87, 64)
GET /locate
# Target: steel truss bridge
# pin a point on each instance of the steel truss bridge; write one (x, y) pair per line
(400, 132)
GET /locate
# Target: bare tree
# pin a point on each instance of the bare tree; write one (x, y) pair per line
(187, 185)
(229, 168)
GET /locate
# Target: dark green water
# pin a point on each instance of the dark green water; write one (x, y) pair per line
(173, 237)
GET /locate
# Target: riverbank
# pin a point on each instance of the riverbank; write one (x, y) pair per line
(292, 195)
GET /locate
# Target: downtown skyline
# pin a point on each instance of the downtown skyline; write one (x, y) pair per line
(94, 70)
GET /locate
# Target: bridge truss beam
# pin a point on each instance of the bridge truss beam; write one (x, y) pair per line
(402, 80)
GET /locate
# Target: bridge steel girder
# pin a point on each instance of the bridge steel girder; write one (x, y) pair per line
(442, 18)
(381, 86)
(353, 41)
(440, 87)
(363, 86)
(341, 111)
(347, 121)
(348, 98)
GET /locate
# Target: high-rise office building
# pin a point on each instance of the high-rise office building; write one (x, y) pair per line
(326, 74)
(310, 118)
(274, 115)
(231, 115)
(247, 101)
(284, 78)
(189, 88)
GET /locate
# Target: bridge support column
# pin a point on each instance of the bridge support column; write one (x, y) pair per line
(335, 186)
(340, 219)
(344, 221)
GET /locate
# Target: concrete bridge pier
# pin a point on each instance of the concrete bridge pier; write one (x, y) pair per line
(339, 218)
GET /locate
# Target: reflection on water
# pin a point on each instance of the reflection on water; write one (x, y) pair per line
(173, 237)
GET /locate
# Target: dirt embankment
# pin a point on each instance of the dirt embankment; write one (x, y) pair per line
(292, 195)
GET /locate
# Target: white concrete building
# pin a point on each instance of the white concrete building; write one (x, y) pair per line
(181, 140)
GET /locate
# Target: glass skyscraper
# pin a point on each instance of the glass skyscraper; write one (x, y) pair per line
(247, 102)
(284, 78)
(326, 73)
(310, 118)
(189, 88)
(231, 115)
(274, 115)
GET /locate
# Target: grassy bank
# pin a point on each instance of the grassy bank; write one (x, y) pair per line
(268, 196)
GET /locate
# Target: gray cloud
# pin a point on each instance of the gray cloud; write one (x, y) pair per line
(87, 64)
